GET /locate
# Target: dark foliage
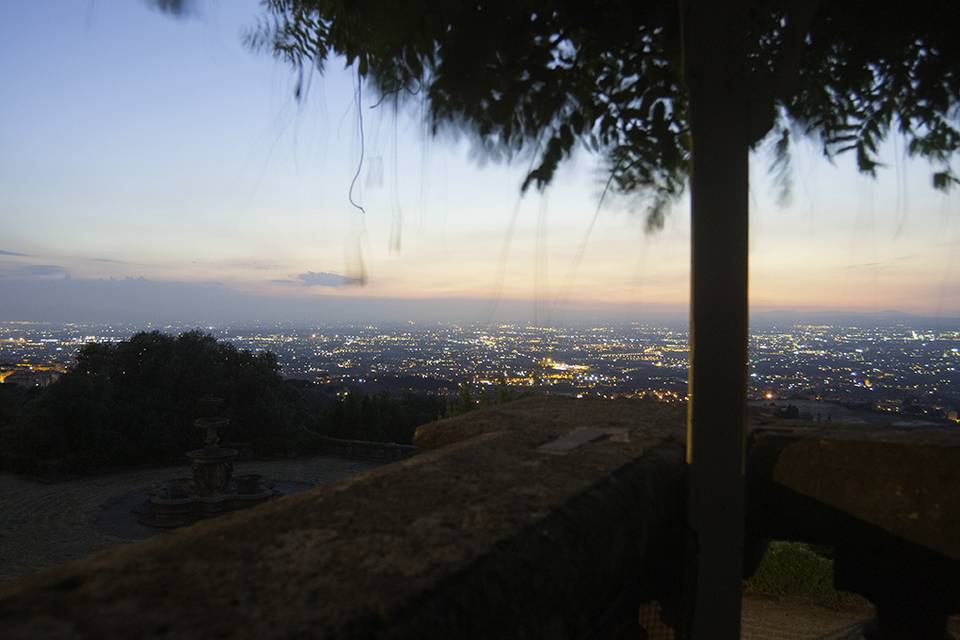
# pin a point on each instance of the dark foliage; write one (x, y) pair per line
(134, 402)
(464, 401)
(543, 76)
(383, 417)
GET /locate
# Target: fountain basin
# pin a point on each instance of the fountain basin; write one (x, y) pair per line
(176, 503)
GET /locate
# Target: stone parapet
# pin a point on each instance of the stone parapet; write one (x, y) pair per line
(366, 450)
(886, 500)
(824, 484)
(488, 537)
(543, 518)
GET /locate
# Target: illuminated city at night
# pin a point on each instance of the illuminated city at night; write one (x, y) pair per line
(890, 375)
(560, 319)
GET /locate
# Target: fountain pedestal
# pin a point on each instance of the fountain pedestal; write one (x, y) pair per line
(212, 490)
(213, 464)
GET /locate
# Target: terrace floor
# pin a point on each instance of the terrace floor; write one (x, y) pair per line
(46, 524)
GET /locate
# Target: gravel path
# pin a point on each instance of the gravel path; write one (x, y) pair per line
(42, 525)
(794, 619)
(787, 619)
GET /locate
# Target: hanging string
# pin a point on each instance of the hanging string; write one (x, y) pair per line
(362, 142)
(560, 304)
(355, 267)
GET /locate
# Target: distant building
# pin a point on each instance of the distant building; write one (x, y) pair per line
(30, 377)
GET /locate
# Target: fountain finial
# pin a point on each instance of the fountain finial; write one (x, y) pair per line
(210, 421)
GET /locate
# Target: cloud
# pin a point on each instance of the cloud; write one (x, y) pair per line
(882, 264)
(32, 272)
(44, 270)
(138, 301)
(326, 279)
(256, 265)
(246, 264)
(180, 9)
(109, 261)
(13, 253)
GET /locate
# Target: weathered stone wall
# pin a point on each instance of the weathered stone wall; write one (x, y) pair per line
(544, 518)
(486, 537)
(366, 449)
(887, 500)
(905, 482)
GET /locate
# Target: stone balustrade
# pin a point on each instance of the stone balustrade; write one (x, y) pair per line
(544, 518)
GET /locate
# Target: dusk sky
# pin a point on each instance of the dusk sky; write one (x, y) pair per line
(156, 167)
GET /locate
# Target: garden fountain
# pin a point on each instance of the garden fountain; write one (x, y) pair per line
(213, 489)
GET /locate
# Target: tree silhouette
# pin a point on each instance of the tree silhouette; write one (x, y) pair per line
(670, 93)
(543, 77)
(134, 402)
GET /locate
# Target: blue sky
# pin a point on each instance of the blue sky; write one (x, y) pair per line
(146, 158)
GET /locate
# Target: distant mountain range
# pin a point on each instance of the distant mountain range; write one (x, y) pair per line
(885, 318)
(137, 300)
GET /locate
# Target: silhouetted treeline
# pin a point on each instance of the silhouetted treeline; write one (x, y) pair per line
(466, 400)
(134, 402)
(384, 416)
